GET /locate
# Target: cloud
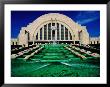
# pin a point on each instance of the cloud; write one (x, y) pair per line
(87, 16)
(86, 20)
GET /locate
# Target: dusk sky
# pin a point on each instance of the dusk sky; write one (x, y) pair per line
(90, 19)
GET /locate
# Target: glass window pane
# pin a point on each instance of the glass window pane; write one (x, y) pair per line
(41, 34)
(49, 31)
(62, 32)
(45, 32)
(66, 33)
(57, 31)
(70, 36)
(37, 36)
(53, 24)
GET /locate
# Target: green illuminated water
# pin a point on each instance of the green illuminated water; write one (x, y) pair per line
(53, 52)
(55, 61)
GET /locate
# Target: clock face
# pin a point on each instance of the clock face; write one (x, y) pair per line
(53, 28)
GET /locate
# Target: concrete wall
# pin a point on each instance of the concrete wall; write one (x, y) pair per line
(23, 38)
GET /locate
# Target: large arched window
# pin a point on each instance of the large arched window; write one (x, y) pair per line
(60, 33)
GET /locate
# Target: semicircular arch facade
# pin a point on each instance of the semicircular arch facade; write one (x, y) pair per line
(68, 22)
(36, 25)
(59, 22)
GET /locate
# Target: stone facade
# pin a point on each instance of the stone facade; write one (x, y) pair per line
(67, 30)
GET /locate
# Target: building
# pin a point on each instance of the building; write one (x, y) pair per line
(54, 27)
(14, 41)
(95, 40)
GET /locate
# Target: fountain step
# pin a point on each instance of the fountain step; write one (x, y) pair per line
(53, 60)
(53, 54)
(54, 57)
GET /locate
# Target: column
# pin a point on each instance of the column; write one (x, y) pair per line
(33, 40)
(39, 35)
(51, 31)
(56, 31)
(68, 35)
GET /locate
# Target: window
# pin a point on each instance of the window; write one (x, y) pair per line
(97, 42)
(91, 42)
(13, 43)
(53, 24)
(62, 32)
(37, 36)
(41, 34)
(53, 34)
(49, 31)
(66, 33)
(70, 35)
(57, 31)
(94, 42)
(45, 32)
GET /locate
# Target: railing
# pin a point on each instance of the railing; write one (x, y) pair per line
(28, 56)
(76, 53)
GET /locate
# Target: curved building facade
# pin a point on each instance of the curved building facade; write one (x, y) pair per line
(53, 27)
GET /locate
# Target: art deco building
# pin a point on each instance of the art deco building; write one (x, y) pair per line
(54, 27)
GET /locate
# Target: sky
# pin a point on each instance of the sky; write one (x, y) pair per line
(90, 19)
